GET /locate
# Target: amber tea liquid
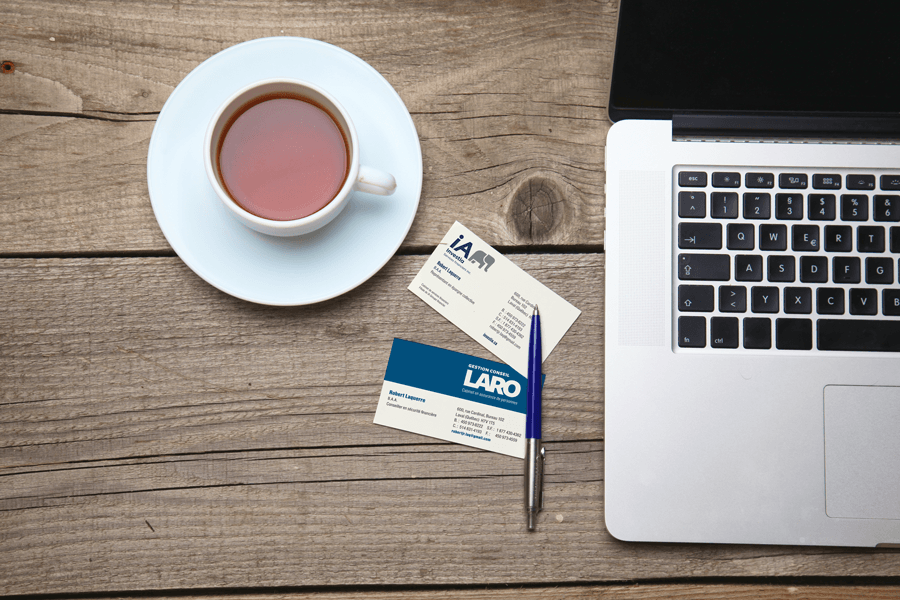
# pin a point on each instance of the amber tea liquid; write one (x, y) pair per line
(283, 157)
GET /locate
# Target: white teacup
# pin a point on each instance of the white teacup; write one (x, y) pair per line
(358, 177)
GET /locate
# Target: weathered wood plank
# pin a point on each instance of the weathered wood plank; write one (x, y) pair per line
(375, 516)
(508, 99)
(75, 185)
(132, 393)
(607, 592)
(110, 358)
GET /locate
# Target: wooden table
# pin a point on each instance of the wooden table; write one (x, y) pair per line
(160, 437)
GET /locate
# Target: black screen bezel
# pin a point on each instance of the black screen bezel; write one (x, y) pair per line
(645, 84)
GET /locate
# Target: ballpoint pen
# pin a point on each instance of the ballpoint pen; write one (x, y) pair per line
(534, 451)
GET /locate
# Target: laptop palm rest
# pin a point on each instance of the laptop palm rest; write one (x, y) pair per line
(862, 451)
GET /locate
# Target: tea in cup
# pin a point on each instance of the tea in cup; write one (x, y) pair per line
(283, 156)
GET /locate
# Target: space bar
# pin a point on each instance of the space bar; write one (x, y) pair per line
(858, 335)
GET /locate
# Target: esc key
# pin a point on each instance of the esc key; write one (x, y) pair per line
(692, 179)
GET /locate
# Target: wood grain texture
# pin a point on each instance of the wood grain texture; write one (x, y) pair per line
(138, 351)
(605, 592)
(508, 98)
(157, 434)
(159, 437)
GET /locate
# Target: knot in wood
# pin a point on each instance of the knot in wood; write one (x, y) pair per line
(536, 209)
(7, 66)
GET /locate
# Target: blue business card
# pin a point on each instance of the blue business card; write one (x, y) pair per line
(454, 397)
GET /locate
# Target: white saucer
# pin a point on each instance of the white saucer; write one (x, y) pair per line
(265, 269)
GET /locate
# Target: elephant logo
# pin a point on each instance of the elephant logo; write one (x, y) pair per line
(483, 260)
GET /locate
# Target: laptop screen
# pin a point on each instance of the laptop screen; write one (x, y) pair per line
(756, 57)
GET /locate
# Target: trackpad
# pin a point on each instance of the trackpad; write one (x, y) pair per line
(862, 452)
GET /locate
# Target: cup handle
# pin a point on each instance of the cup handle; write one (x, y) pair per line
(374, 181)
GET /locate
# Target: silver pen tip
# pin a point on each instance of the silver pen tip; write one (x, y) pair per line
(531, 516)
(536, 312)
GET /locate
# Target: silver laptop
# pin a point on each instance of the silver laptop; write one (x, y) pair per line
(753, 258)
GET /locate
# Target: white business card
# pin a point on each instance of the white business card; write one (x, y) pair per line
(454, 397)
(483, 293)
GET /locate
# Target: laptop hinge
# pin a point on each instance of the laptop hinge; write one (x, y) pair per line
(688, 125)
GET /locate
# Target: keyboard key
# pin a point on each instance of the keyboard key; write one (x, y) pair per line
(759, 180)
(793, 181)
(858, 335)
(890, 182)
(691, 205)
(797, 300)
(805, 238)
(723, 332)
(727, 180)
(859, 279)
(705, 236)
(724, 205)
(789, 207)
(692, 332)
(845, 269)
(757, 333)
(821, 207)
(854, 207)
(830, 301)
(732, 298)
(838, 238)
(870, 239)
(890, 303)
(814, 269)
(826, 182)
(696, 298)
(860, 182)
(793, 334)
(748, 267)
(879, 270)
(705, 267)
(764, 299)
(887, 208)
(863, 301)
(757, 206)
(740, 236)
(692, 179)
(781, 268)
(773, 237)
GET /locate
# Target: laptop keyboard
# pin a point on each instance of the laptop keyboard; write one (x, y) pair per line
(787, 259)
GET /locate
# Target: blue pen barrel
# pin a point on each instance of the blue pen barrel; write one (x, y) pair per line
(534, 452)
(533, 404)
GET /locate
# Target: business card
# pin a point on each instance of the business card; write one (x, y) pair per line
(483, 293)
(454, 397)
